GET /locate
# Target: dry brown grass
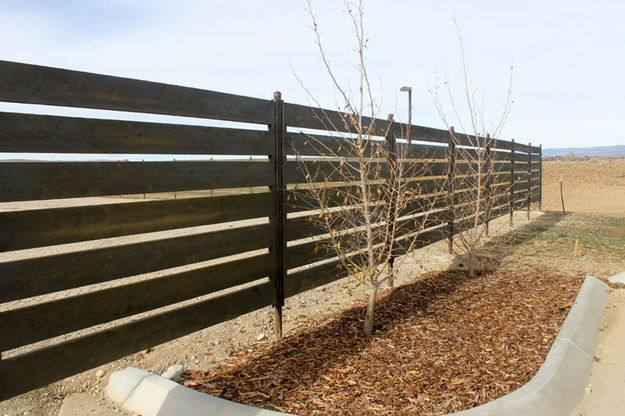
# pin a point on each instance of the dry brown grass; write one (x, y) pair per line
(592, 187)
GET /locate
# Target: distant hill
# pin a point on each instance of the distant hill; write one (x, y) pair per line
(618, 150)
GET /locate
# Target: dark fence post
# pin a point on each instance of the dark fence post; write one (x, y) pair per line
(280, 216)
(511, 201)
(540, 177)
(529, 180)
(392, 201)
(451, 190)
(488, 170)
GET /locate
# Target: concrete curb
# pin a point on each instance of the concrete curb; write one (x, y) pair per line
(149, 394)
(618, 278)
(556, 389)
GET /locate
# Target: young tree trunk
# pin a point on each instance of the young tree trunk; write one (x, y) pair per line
(373, 293)
(472, 263)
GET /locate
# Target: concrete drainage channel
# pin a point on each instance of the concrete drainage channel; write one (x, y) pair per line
(556, 389)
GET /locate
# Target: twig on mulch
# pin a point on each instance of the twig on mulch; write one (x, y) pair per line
(443, 344)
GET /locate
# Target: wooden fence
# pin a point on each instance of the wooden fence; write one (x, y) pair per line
(51, 287)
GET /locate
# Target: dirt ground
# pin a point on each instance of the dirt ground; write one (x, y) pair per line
(597, 225)
(590, 187)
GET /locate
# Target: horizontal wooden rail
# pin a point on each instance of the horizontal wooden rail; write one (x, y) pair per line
(312, 277)
(33, 84)
(22, 181)
(304, 171)
(318, 250)
(300, 144)
(304, 199)
(40, 275)
(325, 273)
(309, 226)
(80, 354)
(54, 134)
(296, 115)
(51, 226)
(322, 119)
(331, 146)
(49, 319)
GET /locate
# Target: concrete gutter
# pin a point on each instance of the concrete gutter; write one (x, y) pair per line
(556, 389)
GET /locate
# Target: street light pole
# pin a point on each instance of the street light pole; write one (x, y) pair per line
(409, 91)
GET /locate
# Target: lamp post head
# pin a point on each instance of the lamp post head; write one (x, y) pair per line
(405, 89)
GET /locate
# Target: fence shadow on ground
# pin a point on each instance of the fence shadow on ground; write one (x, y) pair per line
(501, 247)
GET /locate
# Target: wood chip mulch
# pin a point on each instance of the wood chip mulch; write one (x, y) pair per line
(442, 344)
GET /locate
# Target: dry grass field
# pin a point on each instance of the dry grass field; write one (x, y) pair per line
(590, 187)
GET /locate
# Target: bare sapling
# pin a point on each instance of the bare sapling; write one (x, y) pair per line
(363, 184)
(478, 165)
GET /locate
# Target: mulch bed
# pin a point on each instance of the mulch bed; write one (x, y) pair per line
(442, 344)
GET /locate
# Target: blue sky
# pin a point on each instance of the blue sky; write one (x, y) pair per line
(569, 56)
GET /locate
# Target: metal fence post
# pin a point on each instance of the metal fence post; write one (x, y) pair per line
(488, 167)
(279, 157)
(529, 180)
(540, 177)
(392, 201)
(511, 199)
(451, 190)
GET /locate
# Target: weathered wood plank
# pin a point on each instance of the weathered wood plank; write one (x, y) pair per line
(501, 178)
(20, 181)
(520, 186)
(428, 134)
(312, 277)
(423, 239)
(535, 196)
(301, 144)
(313, 251)
(322, 274)
(475, 155)
(305, 200)
(520, 176)
(471, 168)
(521, 148)
(320, 170)
(40, 275)
(520, 158)
(317, 145)
(53, 134)
(309, 226)
(33, 84)
(296, 115)
(499, 211)
(71, 357)
(304, 171)
(43, 227)
(46, 320)
(330, 120)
